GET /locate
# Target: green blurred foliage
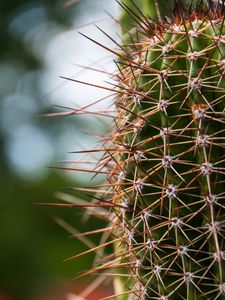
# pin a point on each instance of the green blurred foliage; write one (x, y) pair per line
(33, 246)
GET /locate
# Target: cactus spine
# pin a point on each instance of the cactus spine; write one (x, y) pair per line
(166, 153)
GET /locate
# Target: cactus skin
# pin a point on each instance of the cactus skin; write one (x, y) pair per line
(155, 10)
(169, 157)
(165, 156)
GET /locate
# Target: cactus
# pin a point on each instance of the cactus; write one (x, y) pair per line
(165, 155)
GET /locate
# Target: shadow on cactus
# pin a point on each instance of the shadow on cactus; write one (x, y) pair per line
(165, 156)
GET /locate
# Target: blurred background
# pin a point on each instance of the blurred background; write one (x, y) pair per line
(39, 42)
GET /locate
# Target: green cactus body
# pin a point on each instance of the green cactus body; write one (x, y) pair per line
(169, 173)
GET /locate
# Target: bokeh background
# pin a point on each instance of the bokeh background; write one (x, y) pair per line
(39, 42)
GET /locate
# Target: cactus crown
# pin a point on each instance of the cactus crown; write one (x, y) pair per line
(165, 154)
